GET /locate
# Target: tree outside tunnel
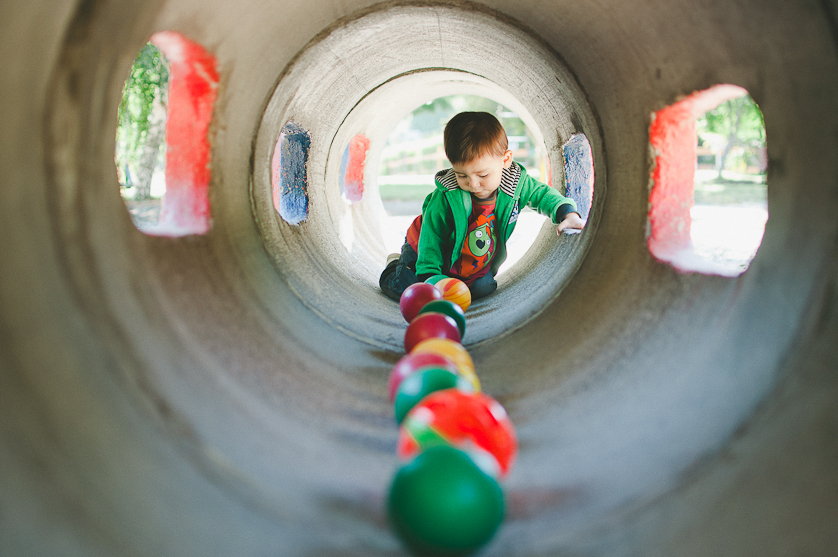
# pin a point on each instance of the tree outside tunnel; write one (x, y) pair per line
(141, 132)
(732, 137)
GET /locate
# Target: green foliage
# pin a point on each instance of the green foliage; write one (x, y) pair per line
(736, 130)
(741, 117)
(429, 117)
(147, 84)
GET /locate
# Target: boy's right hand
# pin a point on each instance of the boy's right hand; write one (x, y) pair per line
(573, 221)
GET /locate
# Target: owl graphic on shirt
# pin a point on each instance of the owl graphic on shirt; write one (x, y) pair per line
(479, 245)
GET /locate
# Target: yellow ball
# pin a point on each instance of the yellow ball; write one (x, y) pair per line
(453, 351)
(455, 291)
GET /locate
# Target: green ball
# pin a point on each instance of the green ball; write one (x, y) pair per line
(435, 279)
(418, 385)
(442, 503)
(449, 308)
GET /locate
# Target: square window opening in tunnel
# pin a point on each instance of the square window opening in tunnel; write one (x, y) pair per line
(708, 204)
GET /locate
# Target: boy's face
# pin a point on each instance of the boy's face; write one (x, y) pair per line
(482, 175)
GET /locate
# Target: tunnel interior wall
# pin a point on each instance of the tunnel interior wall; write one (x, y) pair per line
(185, 396)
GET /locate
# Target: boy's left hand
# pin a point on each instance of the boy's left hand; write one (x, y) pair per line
(571, 221)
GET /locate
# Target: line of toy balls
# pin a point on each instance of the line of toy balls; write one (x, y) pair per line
(458, 443)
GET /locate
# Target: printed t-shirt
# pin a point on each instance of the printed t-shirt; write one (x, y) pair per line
(479, 246)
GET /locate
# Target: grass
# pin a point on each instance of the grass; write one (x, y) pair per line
(736, 191)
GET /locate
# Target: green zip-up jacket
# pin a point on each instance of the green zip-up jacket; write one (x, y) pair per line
(446, 211)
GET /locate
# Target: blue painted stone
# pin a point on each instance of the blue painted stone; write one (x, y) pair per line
(293, 195)
(579, 172)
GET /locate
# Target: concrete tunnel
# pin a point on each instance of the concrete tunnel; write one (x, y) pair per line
(225, 393)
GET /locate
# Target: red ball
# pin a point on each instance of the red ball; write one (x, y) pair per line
(411, 363)
(415, 297)
(462, 420)
(430, 325)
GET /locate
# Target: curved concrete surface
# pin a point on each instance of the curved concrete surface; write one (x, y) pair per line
(201, 396)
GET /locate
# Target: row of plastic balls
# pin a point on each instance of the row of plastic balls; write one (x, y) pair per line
(447, 500)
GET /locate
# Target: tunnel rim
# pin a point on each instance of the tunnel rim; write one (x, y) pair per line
(580, 118)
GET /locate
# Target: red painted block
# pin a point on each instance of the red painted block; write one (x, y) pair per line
(353, 182)
(193, 88)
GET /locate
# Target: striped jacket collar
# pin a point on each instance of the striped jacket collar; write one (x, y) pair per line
(508, 182)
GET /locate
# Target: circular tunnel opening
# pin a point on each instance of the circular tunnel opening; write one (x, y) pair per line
(414, 152)
(332, 257)
(192, 395)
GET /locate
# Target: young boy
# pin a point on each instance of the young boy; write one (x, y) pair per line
(466, 222)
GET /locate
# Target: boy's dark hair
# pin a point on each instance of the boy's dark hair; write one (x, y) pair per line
(471, 135)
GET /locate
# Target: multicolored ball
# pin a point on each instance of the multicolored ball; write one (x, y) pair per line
(456, 291)
(462, 420)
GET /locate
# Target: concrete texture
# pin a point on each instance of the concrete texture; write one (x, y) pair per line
(225, 394)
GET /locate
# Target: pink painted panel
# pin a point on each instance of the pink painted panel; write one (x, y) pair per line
(353, 182)
(193, 88)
